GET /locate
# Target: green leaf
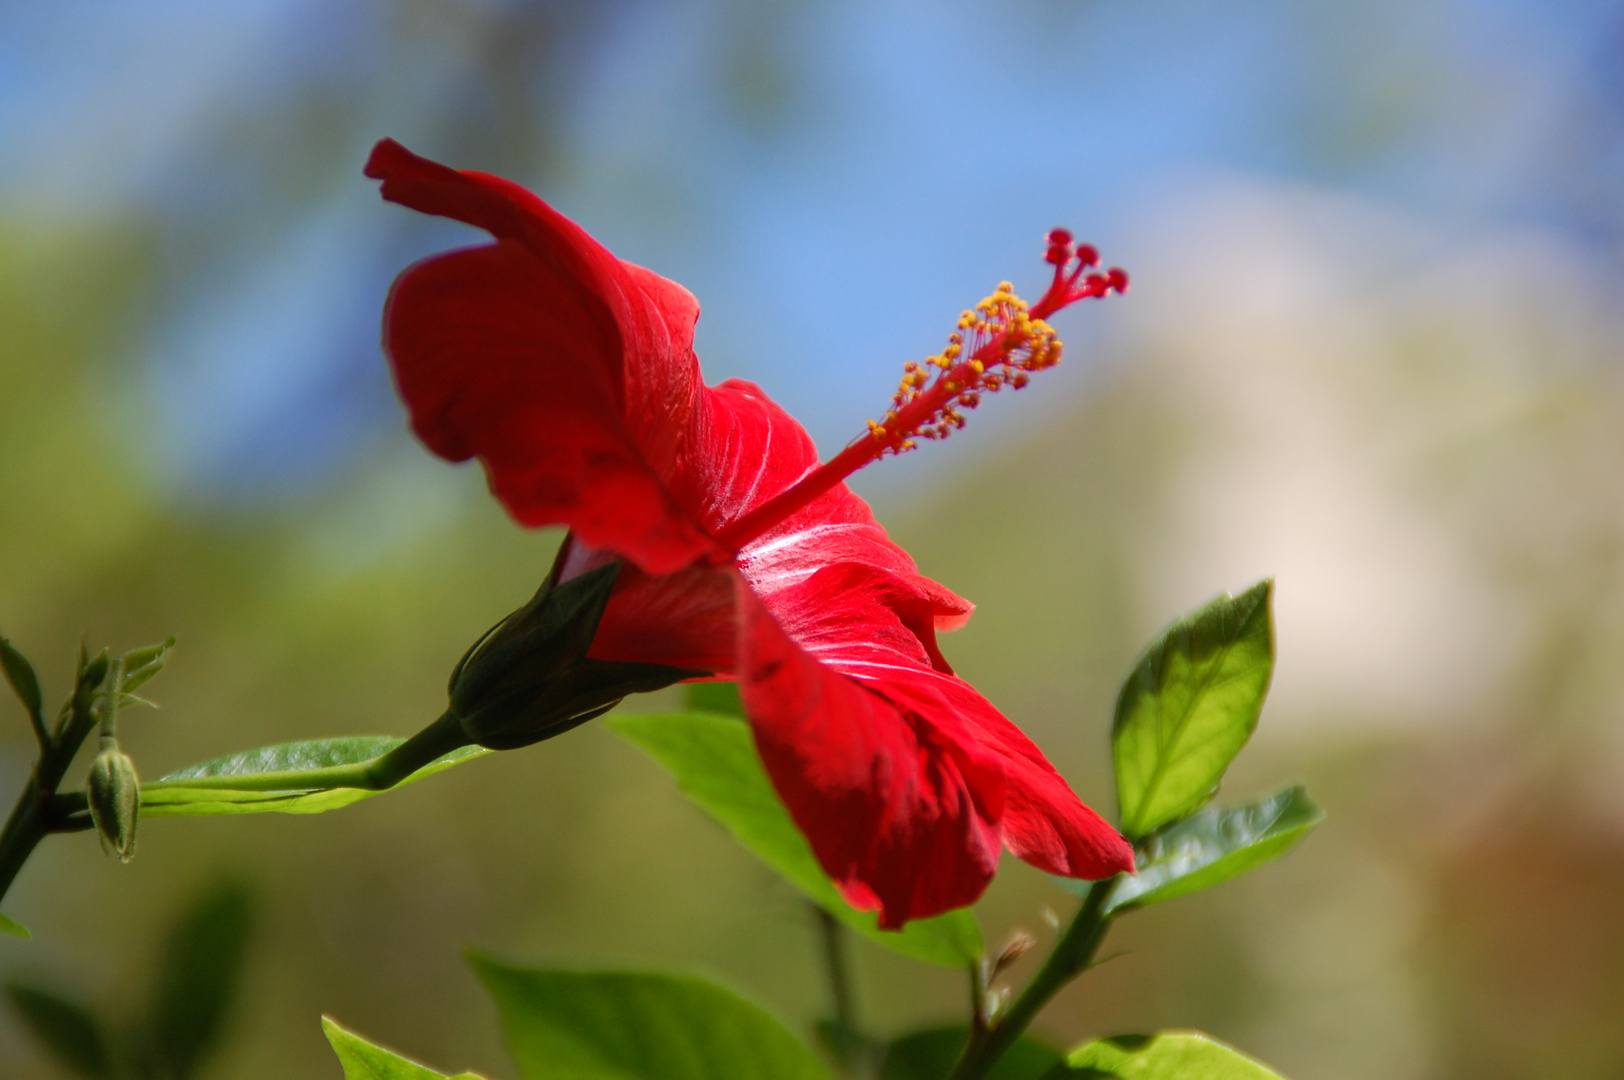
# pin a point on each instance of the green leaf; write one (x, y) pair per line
(1211, 846)
(142, 664)
(20, 674)
(1167, 1055)
(715, 763)
(1189, 706)
(198, 978)
(14, 928)
(715, 697)
(363, 1060)
(171, 797)
(635, 1026)
(931, 1055)
(69, 1030)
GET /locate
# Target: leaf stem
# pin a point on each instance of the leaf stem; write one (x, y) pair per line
(375, 774)
(1070, 958)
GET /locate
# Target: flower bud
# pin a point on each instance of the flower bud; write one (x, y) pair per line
(529, 677)
(115, 799)
(1019, 944)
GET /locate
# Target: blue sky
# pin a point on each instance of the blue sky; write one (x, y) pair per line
(833, 180)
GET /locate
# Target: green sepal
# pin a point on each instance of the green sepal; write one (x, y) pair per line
(363, 1060)
(1167, 1055)
(1189, 706)
(529, 677)
(12, 928)
(932, 1053)
(714, 761)
(1212, 846)
(625, 1025)
(170, 796)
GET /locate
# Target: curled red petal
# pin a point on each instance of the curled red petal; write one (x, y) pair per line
(569, 373)
(1044, 823)
(902, 776)
(899, 819)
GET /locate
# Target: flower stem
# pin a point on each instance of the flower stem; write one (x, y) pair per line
(852, 1044)
(375, 774)
(1070, 958)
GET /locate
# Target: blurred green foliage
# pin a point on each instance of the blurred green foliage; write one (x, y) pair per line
(171, 1038)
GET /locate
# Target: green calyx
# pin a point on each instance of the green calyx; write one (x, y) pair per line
(529, 677)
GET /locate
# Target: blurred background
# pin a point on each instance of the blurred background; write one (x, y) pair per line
(1374, 348)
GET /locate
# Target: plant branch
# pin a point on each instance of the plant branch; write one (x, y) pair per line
(34, 817)
(1070, 958)
(40, 810)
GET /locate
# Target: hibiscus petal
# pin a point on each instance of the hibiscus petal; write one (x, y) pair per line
(750, 451)
(754, 450)
(1044, 822)
(568, 372)
(839, 684)
(895, 816)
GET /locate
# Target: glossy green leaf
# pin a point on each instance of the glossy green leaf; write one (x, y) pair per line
(1212, 846)
(636, 1026)
(13, 928)
(20, 674)
(140, 665)
(1167, 1055)
(931, 1055)
(171, 797)
(69, 1030)
(197, 980)
(1189, 706)
(715, 764)
(363, 1060)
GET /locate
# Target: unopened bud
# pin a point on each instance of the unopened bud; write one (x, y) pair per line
(1018, 945)
(529, 678)
(91, 670)
(115, 799)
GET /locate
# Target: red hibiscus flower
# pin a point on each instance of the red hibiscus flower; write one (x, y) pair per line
(571, 376)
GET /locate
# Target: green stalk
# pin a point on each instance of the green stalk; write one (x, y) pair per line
(853, 1044)
(1070, 958)
(374, 774)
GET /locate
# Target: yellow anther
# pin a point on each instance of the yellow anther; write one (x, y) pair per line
(993, 346)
